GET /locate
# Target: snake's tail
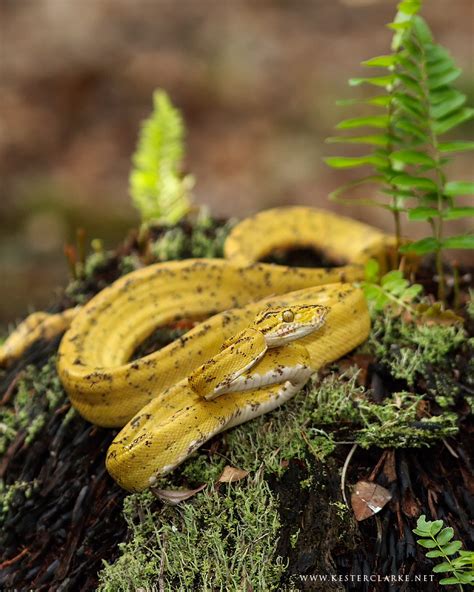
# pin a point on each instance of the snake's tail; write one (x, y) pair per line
(39, 325)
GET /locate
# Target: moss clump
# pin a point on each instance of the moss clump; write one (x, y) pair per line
(470, 304)
(393, 424)
(269, 441)
(11, 494)
(220, 540)
(39, 393)
(411, 350)
(200, 469)
(170, 245)
(206, 239)
(431, 355)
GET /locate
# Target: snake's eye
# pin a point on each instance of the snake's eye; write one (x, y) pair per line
(288, 316)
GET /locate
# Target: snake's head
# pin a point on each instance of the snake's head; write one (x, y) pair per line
(283, 324)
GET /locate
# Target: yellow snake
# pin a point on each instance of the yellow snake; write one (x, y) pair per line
(172, 401)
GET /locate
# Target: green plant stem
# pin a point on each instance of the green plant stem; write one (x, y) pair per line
(456, 287)
(395, 210)
(441, 278)
(398, 237)
(436, 224)
(447, 559)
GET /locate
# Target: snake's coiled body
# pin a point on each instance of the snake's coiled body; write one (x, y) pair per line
(164, 418)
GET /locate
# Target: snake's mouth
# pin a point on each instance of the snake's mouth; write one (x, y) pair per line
(292, 331)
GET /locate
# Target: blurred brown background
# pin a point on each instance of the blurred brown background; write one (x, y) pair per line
(255, 80)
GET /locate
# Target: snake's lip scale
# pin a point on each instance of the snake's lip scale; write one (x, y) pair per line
(163, 419)
(301, 331)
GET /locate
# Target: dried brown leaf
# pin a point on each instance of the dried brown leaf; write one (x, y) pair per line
(231, 474)
(434, 314)
(368, 498)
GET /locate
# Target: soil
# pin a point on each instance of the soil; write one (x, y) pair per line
(57, 538)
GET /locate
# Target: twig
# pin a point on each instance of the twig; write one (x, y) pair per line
(161, 580)
(376, 469)
(13, 560)
(344, 472)
(450, 448)
(11, 387)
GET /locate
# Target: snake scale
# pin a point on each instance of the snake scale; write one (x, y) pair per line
(233, 365)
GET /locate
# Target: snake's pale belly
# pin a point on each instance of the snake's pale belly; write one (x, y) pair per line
(164, 418)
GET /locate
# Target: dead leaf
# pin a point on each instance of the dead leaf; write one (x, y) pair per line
(173, 497)
(434, 314)
(231, 474)
(368, 498)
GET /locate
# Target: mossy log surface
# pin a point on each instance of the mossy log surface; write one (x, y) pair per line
(65, 525)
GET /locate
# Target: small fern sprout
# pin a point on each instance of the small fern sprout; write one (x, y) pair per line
(157, 187)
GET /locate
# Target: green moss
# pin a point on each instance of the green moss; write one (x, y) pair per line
(8, 429)
(294, 539)
(470, 304)
(34, 428)
(410, 350)
(14, 495)
(394, 423)
(75, 291)
(170, 245)
(270, 440)
(306, 483)
(343, 512)
(39, 392)
(205, 240)
(200, 469)
(95, 262)
(219, 540)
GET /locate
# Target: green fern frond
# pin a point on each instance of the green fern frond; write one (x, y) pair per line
(457, 564)
(158, 189)
(407, 157)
